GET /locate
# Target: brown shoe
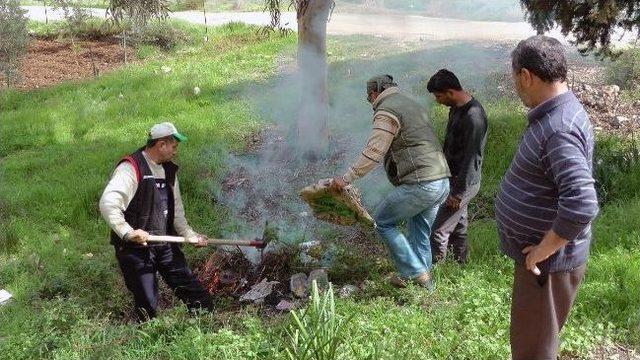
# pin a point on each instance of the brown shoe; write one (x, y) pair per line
(424, 280)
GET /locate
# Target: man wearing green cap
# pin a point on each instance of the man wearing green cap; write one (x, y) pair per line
(402, 139)
(143, 198)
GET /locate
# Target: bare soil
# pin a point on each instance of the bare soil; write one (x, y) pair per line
(50, 62)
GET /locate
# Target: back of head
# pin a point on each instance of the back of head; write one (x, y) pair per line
(380, 83)
(442, 81)
(543, 56)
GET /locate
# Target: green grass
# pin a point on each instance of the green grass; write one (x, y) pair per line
(58, 146)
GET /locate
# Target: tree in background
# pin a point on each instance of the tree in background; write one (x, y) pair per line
(74, 14)
(312, 124)
(14, 35)
(593, 23)
(139, 12)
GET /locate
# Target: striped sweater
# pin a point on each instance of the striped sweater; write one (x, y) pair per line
(550, 185)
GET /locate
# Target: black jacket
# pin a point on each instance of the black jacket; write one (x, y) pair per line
(464, 145)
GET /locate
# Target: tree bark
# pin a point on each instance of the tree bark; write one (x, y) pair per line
(313, 119)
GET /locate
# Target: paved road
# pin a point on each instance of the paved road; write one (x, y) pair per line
(409, 27)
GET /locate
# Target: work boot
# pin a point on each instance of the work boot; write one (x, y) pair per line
(425, 281)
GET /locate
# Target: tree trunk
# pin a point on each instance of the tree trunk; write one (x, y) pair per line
(312, 124)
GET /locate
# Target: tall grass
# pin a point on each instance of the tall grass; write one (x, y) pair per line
(317, 332)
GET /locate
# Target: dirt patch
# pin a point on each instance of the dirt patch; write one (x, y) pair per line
(50, 62)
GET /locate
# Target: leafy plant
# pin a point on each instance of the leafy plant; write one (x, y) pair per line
(617, 163)
(625, 70)
(317, 333)
(13, 32)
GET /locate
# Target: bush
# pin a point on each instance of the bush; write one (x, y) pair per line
(616, 169)
(92, 29)
(161, 34)
(625, 70)
(13, 32)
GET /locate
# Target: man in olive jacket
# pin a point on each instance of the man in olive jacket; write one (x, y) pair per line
(403, 140)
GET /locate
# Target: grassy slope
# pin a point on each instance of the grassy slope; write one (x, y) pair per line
(58, 145)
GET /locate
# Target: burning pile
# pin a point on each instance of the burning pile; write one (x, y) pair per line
(229, 273)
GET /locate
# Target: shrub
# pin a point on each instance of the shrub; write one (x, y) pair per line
(616, 168)
(161, 34)
(13, 32)
(92, 29)
(625, 70)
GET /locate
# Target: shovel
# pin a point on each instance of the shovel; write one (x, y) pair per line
(260, 243)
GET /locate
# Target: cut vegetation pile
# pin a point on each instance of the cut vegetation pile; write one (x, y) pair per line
(337, 207)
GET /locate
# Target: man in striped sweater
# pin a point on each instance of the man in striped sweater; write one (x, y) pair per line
(546, 201)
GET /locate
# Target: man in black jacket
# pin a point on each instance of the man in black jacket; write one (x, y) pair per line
(463, 147)
(143, 198)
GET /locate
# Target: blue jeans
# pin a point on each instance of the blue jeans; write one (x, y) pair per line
(417, 204)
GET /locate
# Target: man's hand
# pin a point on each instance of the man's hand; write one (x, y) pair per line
(338, 183)
(137, 236)
(202, 241)
(453, 202)
(538, 253)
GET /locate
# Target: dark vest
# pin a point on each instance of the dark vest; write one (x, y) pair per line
(415, 154)
(146, 209)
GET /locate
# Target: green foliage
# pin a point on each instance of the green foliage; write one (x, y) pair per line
(624, 71)
(316, 333)
(139, 12)
(13, 32)
(92, 29)
(592, 23)
(161, 34)
(616, 168)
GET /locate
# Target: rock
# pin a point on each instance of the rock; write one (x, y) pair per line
(619, 120)
(4, 296)
(298, 284)
(611, 89)
(196, 91)
(285, 305)
(328, 256)
(309, 244)
(320, 277)
(259, 291)
(306, 259)
(347, 290)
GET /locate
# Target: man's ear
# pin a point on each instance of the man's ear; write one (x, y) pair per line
(526, 77)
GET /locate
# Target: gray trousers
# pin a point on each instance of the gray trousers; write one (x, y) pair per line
(450, 228)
